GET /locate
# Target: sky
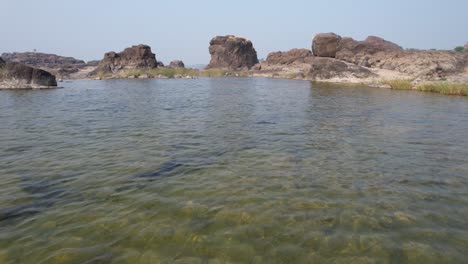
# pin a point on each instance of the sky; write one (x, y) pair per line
(177, 29)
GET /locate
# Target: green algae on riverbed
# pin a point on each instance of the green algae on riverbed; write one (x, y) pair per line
(273, 171)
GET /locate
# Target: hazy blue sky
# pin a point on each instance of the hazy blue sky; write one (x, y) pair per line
(177, 29)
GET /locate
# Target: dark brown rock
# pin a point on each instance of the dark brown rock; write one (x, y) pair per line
(160, 64)
(177, 64)
(328, 68)
(17, 75)
(136, 57)
(42, 60)
(60, 66)
(231, 52)
(325, 45)
(290, 57)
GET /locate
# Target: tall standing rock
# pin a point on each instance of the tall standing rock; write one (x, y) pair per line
(325, 45)
(135, 57)
(231, 52)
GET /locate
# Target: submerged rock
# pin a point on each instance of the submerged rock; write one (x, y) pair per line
(15, 75)
(135, 57)
(177, 64)
(231, 52)
(326, 45)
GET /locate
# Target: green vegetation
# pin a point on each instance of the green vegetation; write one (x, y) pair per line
(444, 88)
(433, 87)
(157, 72)
(459, 49)
(399, 84)
(214, 73)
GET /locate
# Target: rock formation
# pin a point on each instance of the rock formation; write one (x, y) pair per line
(290, 57)
(177, 64)
(42, 60)
(422, 64)
(63, 67)
(160, 64)
(14, 75)
(329, 68)
(231, 52)
(136, 57)
(325, 45)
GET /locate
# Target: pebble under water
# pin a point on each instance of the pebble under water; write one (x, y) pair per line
(232, 170)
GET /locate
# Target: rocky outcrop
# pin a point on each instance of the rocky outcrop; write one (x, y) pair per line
(177, 64)
(290, 57)
(60, 66)
(42, 60)
(422, 64)
(14, 75)
(325, 45)
(329, 68)
(231, 52)
(136, 57)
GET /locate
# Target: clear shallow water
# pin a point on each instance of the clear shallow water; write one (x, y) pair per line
(232, 171)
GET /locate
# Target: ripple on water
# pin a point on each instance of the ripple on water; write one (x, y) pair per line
(232, 171)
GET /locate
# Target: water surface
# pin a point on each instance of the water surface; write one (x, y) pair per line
(232, 171)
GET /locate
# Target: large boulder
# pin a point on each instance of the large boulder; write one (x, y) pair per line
(290, 57)
(325, 45)
(329, 68)
(177, 64)
(231, 52)
(14, 75)
(135, 57)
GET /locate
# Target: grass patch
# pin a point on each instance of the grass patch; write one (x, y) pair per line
(444, 88)
(214, 73)
(399, 84)
(163, 71)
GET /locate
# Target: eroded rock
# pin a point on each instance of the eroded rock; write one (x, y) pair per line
(177, 64)
(135, 57)
(14, 75)
(329, 68)
(231, 52)
(290, 57)
(325, 44)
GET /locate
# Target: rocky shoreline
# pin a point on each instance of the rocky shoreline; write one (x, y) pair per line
(332, 58)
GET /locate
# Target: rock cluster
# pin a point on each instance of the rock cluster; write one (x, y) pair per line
(135, 57)
(177, 64)
(14, 75)
(231, 52)
(377, 53)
